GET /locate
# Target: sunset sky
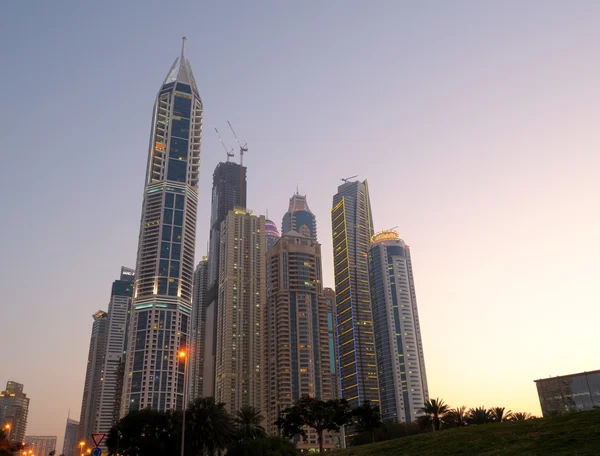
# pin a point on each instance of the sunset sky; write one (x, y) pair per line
(475, 123)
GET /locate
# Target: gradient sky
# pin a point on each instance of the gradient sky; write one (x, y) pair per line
(476, 124)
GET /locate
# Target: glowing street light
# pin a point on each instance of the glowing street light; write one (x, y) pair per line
(81, 445)
(183, 356)
(7, 427)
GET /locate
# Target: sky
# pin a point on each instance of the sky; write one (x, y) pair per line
(475, 123)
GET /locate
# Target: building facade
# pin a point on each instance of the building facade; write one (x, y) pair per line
(569, 393)
(41, 445)
(119, 311)
(299, 218)
(329, 295)
(352, 228)
(242, 295)
(297, 353)
(228, 192)
(400, 360)
(14, 408)
(162, 303)
(271, 233)
(196, 377)
(70, 440)
(93, 377)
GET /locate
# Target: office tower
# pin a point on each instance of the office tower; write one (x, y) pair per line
(111, 389)
(228, 192)
(162, 303)
(40, 445)
(93, 377)
(332, 340)
(196, 378)
(271, 233)
(241, 302)
(352, 228)
(14, 407)
(400, 361)
(299, 218)
(70, 441)
(297, 360)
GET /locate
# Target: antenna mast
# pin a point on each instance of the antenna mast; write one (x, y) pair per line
(228, 151)
(243, 148)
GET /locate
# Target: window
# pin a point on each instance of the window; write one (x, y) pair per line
(163, 267)
(174, 269)
(177, 233)
(182, 106)
(165, 249)
(179, 202)
(175, 250)
(183, 88)
(177, 170)
(166, 234)
(169, 197)
(180, 128)
(178, 218)
(168, 216)
(178, 149)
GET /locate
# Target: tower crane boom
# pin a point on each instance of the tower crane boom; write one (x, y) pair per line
(228, 151)
(243, 147)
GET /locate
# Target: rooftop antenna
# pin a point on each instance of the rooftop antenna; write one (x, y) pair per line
(346, 179)
(228, 151)
(184, 39)
(243, 148)
(297, 193)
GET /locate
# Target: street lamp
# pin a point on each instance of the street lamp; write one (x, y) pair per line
(81, 445)
(7, 427)
(183, 355)
(88, 451)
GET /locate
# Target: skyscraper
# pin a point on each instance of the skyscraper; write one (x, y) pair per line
(241, 304)
(400, 361)
(119, 310)
(70, 441)
(329, 295)
(352, 227)
(299, 218)
(297, 354)
(162, 303)
(93, 375)
(40, 445)
(228, 192)
(14, 408)
(271, 233)
(198, 329)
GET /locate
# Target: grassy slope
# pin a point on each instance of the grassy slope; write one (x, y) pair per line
(572, 434)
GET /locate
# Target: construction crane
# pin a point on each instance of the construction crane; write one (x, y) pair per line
(346, 179)
(228, 151)
(243, 148)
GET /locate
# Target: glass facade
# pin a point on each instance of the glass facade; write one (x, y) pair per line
(569, 393)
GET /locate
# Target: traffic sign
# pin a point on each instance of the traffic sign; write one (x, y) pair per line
(98, 438)
(96, 452)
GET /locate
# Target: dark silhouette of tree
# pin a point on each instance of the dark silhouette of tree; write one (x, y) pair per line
(522, 416)
(433, 411)
(248, 424)
(315, 414)
(52, 453)
(210, 430)
(456, 417)
(269, 446)
(479, 415)
(367, 418)
(500, 414)
(7, 448)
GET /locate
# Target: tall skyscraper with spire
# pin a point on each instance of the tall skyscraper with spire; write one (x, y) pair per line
(299, 218)
(352, 227)
(196, 377)
(162, 303)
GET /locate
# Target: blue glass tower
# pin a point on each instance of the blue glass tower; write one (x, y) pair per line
(162, 301)
(299, 218)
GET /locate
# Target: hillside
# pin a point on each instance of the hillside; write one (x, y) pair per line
(571, 434)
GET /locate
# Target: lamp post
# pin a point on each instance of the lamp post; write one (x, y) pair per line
(7, 428)
(81, 445)
(183, 354)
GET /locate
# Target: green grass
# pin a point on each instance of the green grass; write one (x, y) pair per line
(571, 434)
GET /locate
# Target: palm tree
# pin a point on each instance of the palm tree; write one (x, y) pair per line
(479, 415)
(522, 416)
(368, 418)
(248, 423)
(433, 411)
(210, 428)
(500, 414)
(457, 416)
(7, 448)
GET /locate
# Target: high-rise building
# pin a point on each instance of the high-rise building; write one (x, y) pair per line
(70, 441)
(93, 377)
(14, 408)
(271, 233)
(297, 354)
(196, 376)
(40, 444)
(400, 361)
(119, 311)
(228, 192)
(162, 303)
(242, 295)
(352, 227)
(299, 218)
(329, 295)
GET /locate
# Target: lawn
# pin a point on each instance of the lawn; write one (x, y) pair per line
(571, 434)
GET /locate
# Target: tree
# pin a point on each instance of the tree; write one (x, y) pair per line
(479, 415)
(500, 414)
(52, 453)
(456, 417)
(269, 446)
(209, 427)
(7, 448)
(367, 418)
(522, 416)
(248, 424)
(315, 414)
(433, 411)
